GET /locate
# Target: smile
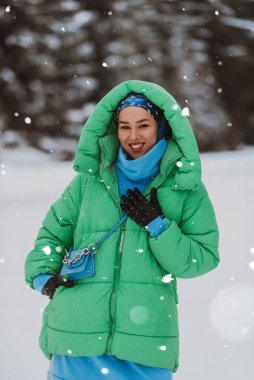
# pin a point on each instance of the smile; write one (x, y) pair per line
(136, 147)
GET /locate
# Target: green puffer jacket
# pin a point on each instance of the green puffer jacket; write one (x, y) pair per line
(127, 309)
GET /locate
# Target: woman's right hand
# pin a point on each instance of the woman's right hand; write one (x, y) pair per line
(53, 283)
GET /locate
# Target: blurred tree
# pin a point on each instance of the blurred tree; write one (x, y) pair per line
(57, 59)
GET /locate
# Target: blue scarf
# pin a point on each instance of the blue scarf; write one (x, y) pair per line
(141, 171)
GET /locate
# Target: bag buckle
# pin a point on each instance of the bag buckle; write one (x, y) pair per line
(93, 248)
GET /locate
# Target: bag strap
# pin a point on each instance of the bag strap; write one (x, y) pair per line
(99, 243)
(94, 246)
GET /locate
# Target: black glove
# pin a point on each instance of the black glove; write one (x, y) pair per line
(53, 283)
(139, 209)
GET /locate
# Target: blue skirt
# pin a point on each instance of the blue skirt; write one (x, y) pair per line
(102, 367)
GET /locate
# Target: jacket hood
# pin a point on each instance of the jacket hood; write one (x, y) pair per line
(99, 143)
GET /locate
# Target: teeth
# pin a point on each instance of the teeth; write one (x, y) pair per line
(136, 146)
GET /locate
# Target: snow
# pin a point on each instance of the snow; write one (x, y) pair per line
(240, 23)
(104, 371)
(215, 341)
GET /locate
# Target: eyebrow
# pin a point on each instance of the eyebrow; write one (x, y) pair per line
(137, 122)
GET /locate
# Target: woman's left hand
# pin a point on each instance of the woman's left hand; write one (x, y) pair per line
(139, 209)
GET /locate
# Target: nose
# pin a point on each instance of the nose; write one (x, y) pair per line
(134, 134)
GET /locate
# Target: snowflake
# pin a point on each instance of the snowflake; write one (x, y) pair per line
(28, 120)
(104, 371)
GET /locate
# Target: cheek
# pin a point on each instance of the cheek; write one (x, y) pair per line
(120, 137)
(151, 136)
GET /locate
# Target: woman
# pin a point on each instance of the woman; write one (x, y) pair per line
(137, 156)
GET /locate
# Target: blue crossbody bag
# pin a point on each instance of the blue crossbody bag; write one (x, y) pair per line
(79, 264)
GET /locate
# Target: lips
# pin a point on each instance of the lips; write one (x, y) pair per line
(136, 147)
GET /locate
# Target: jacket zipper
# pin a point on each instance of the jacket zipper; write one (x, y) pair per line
(113, 294)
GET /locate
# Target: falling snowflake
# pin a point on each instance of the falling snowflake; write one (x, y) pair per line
(174, 107)
(251, 265)
(217, 13)
(2, 261)
(69, 351)
(167, 278)
(139, 314)
(179, 164)
(163, 348)
(252, 250)
(104, 371)
(28, 120)
(8, 9)
(16, 114)
(185, 111)
(105, 64)
(230, 313)
(47, 250)
(162, 298)
(58, 249)
(140, 250)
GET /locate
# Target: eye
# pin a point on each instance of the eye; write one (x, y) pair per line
(144, 125)
(124, 127)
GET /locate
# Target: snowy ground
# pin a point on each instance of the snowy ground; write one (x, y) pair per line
(216, 311)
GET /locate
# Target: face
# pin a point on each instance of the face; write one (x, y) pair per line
(137, 131)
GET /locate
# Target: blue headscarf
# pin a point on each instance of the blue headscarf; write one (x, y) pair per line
(139, 100)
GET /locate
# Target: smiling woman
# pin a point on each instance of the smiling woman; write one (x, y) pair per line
(123, 320)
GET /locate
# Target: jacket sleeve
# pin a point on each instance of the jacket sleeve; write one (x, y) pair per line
(190, 249)
(56, 233)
